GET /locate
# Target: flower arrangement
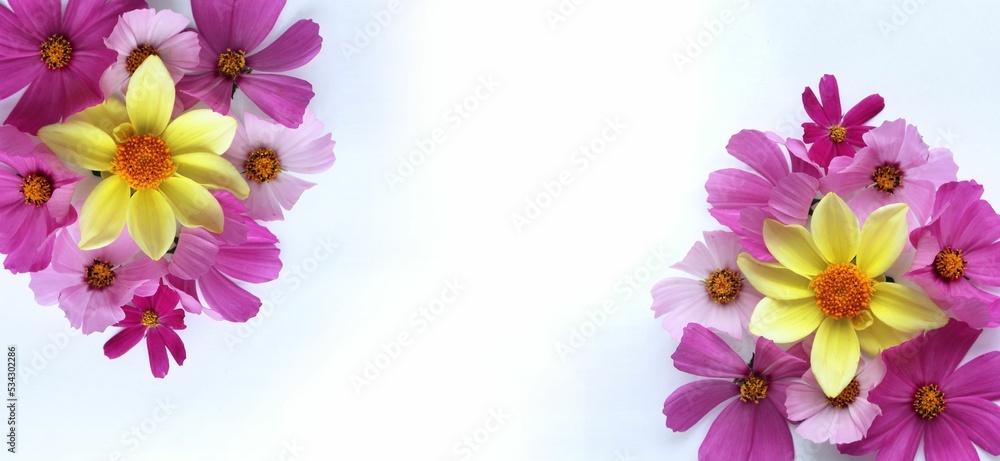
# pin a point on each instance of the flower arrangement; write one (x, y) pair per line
(863, 271)
(132, 193)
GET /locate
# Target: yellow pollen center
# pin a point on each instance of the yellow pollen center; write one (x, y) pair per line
(838, 133)
(846, 396)
(143, 162)
(842, 291)
(37, 190)
(752, 388)
(99, 274)
(150, 319)
(138, 56)
(949, 264)
(723, 286)
(233, 63)
(262, 165)
(56, 51)
(887, 178)
(929, 401)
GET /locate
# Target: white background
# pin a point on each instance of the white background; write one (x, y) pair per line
(365, 256)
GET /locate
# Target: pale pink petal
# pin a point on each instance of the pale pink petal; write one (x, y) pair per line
(698, 261)
(760, 153)
(195, 254)
(791, 200)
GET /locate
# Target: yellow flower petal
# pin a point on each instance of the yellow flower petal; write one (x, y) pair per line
(151, 223)
(80, 144)
(793, 247)
(835, 355)
(785, 321)
(200, 130)
(882, 239)
(212, 171)
(835, 229)
(193, 205)
(150, 97)
(774, 280)
(906, 309)
(102, 217)
(106, 116)
(879, 337)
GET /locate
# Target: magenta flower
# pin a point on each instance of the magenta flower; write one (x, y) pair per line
(957, 255)
(143, 33)
(755, 421)
(156, 318)
(843, 419)
(35, 193)
(231, 32)
(926, 396)
(831, 133)
(719, 299)
(895, 167)
(92, 286)
(209, 263)
(59, 57)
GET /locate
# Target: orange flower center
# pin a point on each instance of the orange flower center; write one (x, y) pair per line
(150, 319)
(842, 291)
(143, 162)
(949, 264)
(929, 401)
(262, 165)
(752, 388)
(138, 56)
(37, 190)
(887, 178)
(99, 275)
(723, 286)
(233, 63)
(55, 51)
(838, 133)
(846, 396)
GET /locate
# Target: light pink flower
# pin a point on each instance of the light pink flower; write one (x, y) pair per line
(266, 153)
(92, 286)
(720, 298)
(143, 33)
(844, 419)
(156, 318)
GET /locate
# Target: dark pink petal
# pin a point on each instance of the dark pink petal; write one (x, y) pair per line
(748, 431)
(123, 341)
(210, 88)
(236, 228)
(224, 297)
(704, 353)
(26, 258)
(943, 441)
(776, 364)
(760, 153)
(984, 264)
(830, 94)
(18, 73)
(95, 19)
(40, 17)
(293, 49)
(195, 254)
(159, 364)
(188, 291)
(977, 378)
(975, 312)
(812, 132)
(173, 319)
(133, 317)
(165, 300)
(772, 439)
(843, 149)
(792, 198)
(814, 109)
(777, 394)
(214, 20)
(41, 105)
(979, 419)
(864, 110)
(252, 21)
(856, 135)
(943, 349)
(902, 442)
(15, 39)
(281, 97)
(691, 402)
(956, 193)
(174, 344)
(822, 152)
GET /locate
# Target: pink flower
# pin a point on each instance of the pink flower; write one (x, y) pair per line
(266, 152)
(926, 396)
(720, 298)
(231, 32)
(154, 318)
(59, 57)
(143, 33)
(35, 193)
(755, 421)
(92, 286)
(957, 255)
(895, 167)
(843, 419)
(209, 263)
(831, 133)
(741, 200)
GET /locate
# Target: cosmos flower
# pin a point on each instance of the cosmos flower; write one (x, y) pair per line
(155, 318)
(831, 133)
(841, 419)
(140, 34)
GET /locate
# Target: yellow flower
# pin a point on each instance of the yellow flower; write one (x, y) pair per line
(833, 282)
(156, 172)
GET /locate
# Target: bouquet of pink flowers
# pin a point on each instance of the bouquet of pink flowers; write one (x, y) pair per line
(863, 271)
(131, 193)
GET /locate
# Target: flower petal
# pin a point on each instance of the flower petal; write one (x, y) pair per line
(151, 223)
(124, 341)
(200, 130)
(944, 441)
(882, 239)
(814, 109)
(159, 364)
(864, 110)
(80, 144)
(212, 171)
(979, 419)
(829, 93)
(704, 353)
(774, 280)
(691, 402)
(293, 49)
(150, 97)
(835, 229)
(905, 309)
(785, 321)
(835, 355)
(192, 204)
(102, 217)
(977, 378)
(281, 97)
(793, 247)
